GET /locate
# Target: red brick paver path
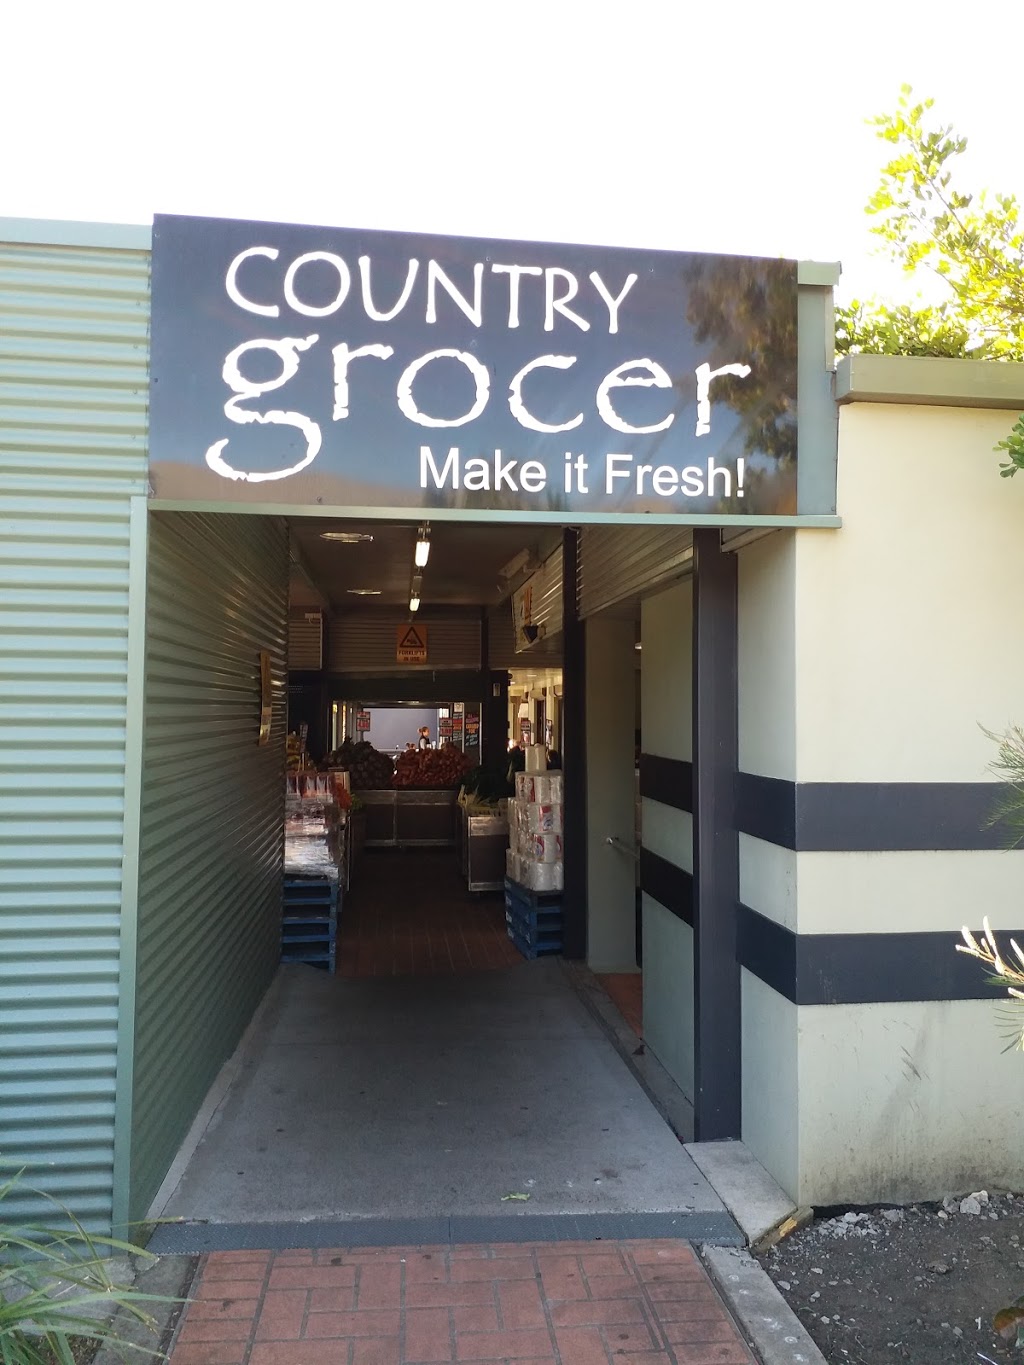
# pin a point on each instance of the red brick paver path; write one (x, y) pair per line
(568, 1303)
(626, 992)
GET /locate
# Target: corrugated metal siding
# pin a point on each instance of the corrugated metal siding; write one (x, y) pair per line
(501, 643)
(545, 587)
(73, 392)
(212, 815)
(617, 563)
(305, 641)
(363, 643)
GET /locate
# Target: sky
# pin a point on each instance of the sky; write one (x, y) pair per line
(733, 127)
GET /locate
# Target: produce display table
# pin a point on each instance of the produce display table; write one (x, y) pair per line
(381, 818)
(410, 817)
(485, 842)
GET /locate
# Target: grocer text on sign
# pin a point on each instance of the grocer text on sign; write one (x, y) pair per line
(338, 367)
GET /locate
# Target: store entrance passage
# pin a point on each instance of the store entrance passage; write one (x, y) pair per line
(431, 1078)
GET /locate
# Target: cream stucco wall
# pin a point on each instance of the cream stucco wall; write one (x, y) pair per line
(771, 1094)
(766, 645)
(875, 654)
(905, 641)
(906, 1102)
(766, 686)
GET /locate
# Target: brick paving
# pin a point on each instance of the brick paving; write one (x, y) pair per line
(626, 992)
(587, 1303)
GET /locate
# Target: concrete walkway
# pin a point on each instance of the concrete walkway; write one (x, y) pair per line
(632, 1303)
(413, 1098)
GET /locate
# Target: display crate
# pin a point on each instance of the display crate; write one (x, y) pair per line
(486, 839)
(309, 921)
(410, 817)
(533, 900)
(533, 920)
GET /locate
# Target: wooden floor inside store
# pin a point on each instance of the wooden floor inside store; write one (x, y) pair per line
(409, 914)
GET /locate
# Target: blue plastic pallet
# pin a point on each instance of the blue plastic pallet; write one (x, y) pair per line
(325, 959)
(305, 932)
(531, 951)
(535, 937)
(314, 891)
(533, 921)
(309, 921)
(541, 917)
(534, 900)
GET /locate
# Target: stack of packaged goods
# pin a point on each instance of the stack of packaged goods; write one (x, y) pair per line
(313, 851)
(312, 826)
(534, 858)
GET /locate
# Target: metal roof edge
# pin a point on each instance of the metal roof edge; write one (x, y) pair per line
(935, 381)
(66, 232)
(824, 274)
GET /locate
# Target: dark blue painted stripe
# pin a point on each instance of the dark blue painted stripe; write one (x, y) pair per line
(861, 969)
(669, 885)
(869, 817)
(668, 780)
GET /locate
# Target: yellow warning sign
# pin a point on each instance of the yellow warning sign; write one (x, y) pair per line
(412, 644)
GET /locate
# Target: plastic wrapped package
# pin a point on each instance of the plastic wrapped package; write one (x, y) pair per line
(542, 877)
(313, 832)
(545, 788)
(536, 758)
(311, 857)
(543, 848)
(542, 819)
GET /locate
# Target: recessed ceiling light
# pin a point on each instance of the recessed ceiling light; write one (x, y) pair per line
(364, 592)
(346, 537)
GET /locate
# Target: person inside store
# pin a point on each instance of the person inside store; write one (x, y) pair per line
(424, 741)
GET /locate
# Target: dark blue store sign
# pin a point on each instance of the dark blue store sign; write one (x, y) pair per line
(387, 371)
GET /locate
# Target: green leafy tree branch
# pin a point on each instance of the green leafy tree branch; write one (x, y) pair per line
(973, 243)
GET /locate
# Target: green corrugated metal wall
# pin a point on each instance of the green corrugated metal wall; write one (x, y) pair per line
(73, 392)
(212, 815)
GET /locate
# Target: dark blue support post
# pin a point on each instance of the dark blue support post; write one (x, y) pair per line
(574, 754)
(717, 1074)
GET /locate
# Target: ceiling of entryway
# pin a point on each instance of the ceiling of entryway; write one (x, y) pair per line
(464, 568)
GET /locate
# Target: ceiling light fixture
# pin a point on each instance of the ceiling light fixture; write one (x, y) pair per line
(346, 537)
(414, 592)
(414, 603)
(422, 553)
(364, 592)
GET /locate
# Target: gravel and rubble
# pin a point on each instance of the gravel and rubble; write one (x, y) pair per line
(918, 1284)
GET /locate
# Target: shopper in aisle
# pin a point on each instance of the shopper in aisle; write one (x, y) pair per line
(424, 739)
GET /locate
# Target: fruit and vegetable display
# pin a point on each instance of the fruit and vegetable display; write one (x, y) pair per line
(371, 770)
(367, 767)
(487, 786)
(437, 768)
